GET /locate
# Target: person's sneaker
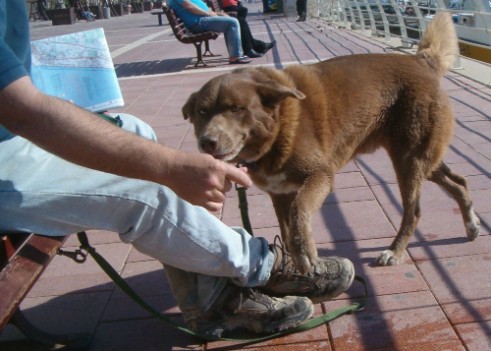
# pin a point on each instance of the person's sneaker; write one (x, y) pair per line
(247, 308)
(240, 60)
(332, 276)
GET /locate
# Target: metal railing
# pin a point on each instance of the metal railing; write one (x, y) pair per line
(406, 19)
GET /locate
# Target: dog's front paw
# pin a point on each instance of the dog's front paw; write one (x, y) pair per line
(387, 258)
(303, 264)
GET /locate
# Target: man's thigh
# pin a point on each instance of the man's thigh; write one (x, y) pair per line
(216, 23)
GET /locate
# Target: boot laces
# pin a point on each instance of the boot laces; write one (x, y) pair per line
(286, 265)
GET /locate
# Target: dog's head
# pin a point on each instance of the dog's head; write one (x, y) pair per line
(235, 115)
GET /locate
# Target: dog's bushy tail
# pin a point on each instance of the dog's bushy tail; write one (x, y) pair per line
(439, 44)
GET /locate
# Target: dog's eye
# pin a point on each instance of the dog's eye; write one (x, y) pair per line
(235, 108)
(202, 112)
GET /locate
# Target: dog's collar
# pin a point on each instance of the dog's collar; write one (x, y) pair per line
(252, 166)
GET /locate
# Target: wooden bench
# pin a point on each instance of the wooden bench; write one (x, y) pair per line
(23, 258)
(159, 13)
(184, 35)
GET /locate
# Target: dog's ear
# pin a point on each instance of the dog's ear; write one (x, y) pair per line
(273, 93)
(188, 108)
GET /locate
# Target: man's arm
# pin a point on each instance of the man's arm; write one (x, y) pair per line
(83, 138)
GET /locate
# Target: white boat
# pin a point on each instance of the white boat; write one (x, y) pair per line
(408, 18)
(473, 24)
(473, 20)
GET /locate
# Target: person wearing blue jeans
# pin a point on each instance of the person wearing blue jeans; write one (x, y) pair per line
(65, 170)
(198, 17)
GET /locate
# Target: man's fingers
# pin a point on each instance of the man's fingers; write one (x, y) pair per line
(239, 176)
(214, 196)
(227, 186)
(213, 206)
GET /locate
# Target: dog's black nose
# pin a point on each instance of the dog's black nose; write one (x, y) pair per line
(208, 144)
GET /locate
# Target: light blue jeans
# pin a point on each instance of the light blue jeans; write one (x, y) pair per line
(230, 28)
(42, 193)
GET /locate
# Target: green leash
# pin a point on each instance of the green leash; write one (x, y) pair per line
(121, 283)
(117, 121)
(244, 208)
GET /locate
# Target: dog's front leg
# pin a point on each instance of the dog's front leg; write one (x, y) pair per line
(301, 247)
(282, 204)
(308, 199)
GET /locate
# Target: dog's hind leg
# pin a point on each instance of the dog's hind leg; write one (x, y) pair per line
(410, 177)
(456, 186)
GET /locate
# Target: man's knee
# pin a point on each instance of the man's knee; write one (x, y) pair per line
(235, 23)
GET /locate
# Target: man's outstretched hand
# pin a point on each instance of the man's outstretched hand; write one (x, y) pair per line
(203, 180)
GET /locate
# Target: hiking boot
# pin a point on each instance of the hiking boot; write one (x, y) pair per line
(247, 308)
(332, 276)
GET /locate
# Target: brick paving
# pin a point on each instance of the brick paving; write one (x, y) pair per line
(439, 298)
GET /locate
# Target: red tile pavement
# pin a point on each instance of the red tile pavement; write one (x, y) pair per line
(412, 321)
(439, 298)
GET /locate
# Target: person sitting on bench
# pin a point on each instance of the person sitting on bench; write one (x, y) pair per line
(252, 47)
(199, 18)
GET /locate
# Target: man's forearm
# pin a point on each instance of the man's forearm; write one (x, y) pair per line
(82, 138)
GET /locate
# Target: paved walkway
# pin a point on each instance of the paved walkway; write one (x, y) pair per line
(439, 298)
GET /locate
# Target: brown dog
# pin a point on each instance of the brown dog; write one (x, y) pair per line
(294, 128)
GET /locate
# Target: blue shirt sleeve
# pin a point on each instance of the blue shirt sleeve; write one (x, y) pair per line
(15, 47)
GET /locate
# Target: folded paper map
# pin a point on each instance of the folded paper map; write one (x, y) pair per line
(77, 67)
